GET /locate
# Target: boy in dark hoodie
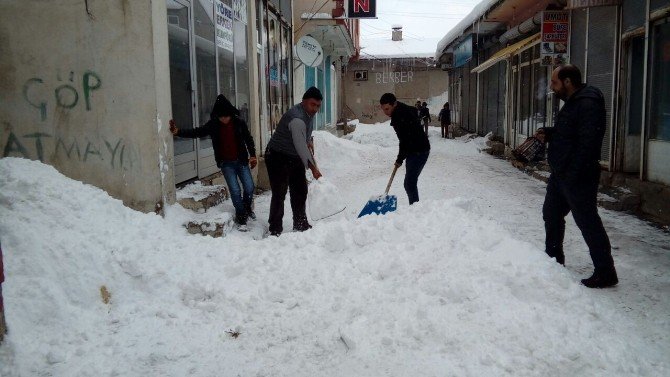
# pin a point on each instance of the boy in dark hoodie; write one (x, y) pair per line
(234, 152)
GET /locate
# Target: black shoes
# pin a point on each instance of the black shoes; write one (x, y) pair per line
(602, 279)
(300, 224)
(251, 214)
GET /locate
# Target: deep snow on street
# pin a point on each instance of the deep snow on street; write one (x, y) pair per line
(455, 285)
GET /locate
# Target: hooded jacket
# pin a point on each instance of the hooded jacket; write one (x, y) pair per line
(576, 140)
(243, 138)
(411, 136)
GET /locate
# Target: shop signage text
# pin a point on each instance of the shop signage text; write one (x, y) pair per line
(224, 26)
(393, 77)
(361, 8)
(555, 37)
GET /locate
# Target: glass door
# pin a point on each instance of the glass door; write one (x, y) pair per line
(181, 83)
(206, 89)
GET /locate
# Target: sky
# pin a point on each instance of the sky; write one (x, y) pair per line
(424, 22)
(457, 284)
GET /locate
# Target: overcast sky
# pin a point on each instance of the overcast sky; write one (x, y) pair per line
(420, 19)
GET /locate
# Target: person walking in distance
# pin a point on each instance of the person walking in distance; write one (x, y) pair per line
(414, 145)
(573, 154)
(289, 153)
(445, 121)
(425, 116)
(234, 152)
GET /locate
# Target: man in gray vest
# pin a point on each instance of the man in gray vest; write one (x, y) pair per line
(288, 155)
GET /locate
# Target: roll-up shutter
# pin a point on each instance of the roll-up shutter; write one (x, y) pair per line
(578, 38)
(601, 56)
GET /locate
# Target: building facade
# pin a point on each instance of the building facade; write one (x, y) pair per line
(97, 107)
(339, 41)
(499, 81)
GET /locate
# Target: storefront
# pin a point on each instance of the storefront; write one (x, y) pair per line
(210, 54)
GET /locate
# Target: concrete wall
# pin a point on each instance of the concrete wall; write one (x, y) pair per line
(408, 85)
(87, 91)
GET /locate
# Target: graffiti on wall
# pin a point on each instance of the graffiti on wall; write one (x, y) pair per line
(65, 95)
(116, 152)
(68, 93)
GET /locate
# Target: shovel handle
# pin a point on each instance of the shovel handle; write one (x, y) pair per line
(388, 187)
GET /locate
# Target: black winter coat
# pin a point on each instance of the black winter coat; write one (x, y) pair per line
(576, 140)
(445, 117)
(245, 142)
(410, 132)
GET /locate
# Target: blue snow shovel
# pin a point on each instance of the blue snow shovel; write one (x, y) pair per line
(384, 203)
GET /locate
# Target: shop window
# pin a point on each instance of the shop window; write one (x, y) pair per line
(660, 106)
(241, 68)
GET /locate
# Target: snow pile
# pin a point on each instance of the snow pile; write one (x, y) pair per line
(438, 288)
(324, 199)
(380, 134)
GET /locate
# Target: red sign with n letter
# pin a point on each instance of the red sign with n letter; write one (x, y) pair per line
(361, 8)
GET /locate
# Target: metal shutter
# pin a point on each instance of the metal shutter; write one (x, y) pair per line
(472, 116)
(633, 15)
(465, 96)
(601, 62)
(657, 4)
(578, 37)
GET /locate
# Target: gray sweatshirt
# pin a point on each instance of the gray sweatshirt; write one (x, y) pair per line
(293, 133)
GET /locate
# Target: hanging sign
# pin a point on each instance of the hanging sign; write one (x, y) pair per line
(463, 52)
(555, 37)
(224, 26)
(361, 8)
(240, 10)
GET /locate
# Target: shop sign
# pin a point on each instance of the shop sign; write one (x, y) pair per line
(361, 8)
(240, 10)
(463, 52)
(555, 37)
(224, 26)
(574, 4)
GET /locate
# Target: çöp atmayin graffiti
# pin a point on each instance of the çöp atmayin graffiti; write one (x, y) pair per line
(119, 153)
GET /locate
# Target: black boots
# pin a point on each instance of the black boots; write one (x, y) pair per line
(300, 224)
(602, 279)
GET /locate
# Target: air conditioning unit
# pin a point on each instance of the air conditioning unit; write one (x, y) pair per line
(361, 75)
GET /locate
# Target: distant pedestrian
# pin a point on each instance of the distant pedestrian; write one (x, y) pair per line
(418, 108)
(414, 145)
(425, 116)
(289, 153)
(445, 121)
(574, 153)
(234, 152)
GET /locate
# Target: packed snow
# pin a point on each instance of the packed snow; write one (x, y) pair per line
(457, 284)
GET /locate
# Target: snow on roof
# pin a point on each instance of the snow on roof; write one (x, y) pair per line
(477, 12)
(406, 48)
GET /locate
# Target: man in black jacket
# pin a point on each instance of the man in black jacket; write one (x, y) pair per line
(233, 146)
(414, 145)
(574, 153)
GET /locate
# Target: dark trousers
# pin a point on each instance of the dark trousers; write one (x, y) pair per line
(445, 130)
(414, 165)
(580, 198)
(286, 172)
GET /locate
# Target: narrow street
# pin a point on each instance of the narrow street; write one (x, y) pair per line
(457, 284)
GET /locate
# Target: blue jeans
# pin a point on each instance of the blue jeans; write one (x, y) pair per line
(413, 165)
(232, 170)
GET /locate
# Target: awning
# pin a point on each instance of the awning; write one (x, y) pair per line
(506, 53)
